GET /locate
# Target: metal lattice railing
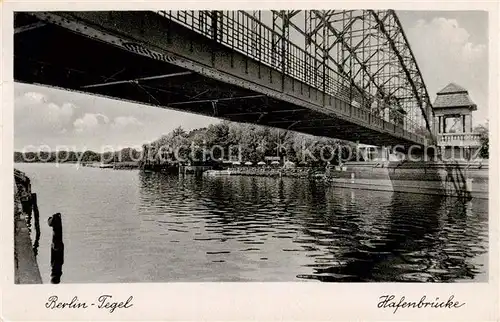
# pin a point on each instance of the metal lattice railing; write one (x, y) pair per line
(246, 34)
(263, 45)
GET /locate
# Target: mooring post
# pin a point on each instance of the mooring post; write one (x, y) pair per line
(57, 248)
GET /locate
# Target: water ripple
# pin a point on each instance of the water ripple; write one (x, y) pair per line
(153, 227)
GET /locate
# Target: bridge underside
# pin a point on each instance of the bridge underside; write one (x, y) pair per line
(55, 56)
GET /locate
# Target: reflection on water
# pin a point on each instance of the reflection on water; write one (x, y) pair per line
(36, 243)
(128, 226)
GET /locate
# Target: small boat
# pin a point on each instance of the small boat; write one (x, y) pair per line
(217, 172)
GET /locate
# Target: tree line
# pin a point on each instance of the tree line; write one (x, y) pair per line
(229, 141)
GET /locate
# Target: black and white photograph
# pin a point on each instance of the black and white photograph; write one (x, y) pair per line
(307, 146)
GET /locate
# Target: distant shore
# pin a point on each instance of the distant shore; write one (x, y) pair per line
(113, 165)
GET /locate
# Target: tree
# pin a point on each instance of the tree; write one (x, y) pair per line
(483, 131)
(422, 130)
(179, 131)
(171, 147)
(217, 135)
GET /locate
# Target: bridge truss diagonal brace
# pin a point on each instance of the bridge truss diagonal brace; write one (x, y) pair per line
(404, 67)
(321, 45)
(341, 39)
(136, 80)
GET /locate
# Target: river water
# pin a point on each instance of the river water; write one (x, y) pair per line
(130, 226)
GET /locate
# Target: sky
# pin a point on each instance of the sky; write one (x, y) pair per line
(448, 47)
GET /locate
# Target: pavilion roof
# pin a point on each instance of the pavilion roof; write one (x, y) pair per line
(453, 95)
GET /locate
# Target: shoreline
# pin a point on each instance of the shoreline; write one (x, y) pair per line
(120, 165)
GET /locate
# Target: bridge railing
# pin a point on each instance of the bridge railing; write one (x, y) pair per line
(459, 139)
(244, 33)
(264, 45)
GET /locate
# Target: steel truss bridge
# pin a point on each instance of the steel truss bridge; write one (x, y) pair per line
(347, 74)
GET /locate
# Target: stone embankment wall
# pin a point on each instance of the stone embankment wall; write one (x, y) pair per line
(25, 265)
(439, 178)
(442, 178)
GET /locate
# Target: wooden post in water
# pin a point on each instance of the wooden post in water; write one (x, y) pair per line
(57, 248)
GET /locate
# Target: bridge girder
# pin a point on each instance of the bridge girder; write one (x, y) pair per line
(360, 55)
